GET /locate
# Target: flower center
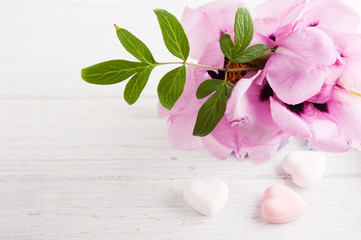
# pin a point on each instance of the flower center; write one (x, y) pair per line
(266, 93)
(234, 77)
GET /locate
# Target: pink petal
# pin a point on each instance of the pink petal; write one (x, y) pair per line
(326, 135)
(261, 153)
(234, 102)
(240, 155)
(199, 31)
(346, 110)
(222, 141)
(353, 45)
(282, 33)
(251, 116)
(212, 56)
(336, 144)
(288, 121)
(350, 78)
(277, 10)
(162, 111)
(217, 150)
(323, 130)
(180, 132)
(292, 79)
(332, 75)
(338, 39)
(261, 39)
(274, 14)
(207, 23)
(311, 44)
(332, 13)
(265, 26)
(221, 13)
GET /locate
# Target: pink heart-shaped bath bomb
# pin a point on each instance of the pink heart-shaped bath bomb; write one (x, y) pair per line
(207, 196)
(281, 205)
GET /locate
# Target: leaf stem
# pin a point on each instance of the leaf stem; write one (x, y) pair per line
(193, 64)
(210, 67)
(226, 73)
(243, 69)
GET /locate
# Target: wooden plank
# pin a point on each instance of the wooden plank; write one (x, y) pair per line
(154, 209)
(106, 132)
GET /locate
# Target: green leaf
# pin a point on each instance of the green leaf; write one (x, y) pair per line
(111, 72)
(134, 46)
(173, 34)
(210, 113)
(212, 110)
(227, 46)
(243, 30)
(136, 84)
(251, 53)
(171, 86)
(207, 87)
(229, 88)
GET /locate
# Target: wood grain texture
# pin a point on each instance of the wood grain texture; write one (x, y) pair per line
(80, 170)
(76, 162)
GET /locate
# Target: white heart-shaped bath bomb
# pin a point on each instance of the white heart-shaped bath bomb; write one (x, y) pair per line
(206, 196)
(305, 167)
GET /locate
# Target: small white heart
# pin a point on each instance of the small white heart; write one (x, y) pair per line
(306, 167)
(206, 196)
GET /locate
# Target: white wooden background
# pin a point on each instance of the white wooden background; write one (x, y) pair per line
(76, 162)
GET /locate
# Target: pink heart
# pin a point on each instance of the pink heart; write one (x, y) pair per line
(281, 205)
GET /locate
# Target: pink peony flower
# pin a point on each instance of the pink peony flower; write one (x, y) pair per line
(300, 92)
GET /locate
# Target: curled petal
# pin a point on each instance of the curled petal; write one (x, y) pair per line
(251, 115)
(234, 104)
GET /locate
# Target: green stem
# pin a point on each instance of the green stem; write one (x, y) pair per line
(194, 64)
(226, 73)
(243, 69)
(210, 67)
